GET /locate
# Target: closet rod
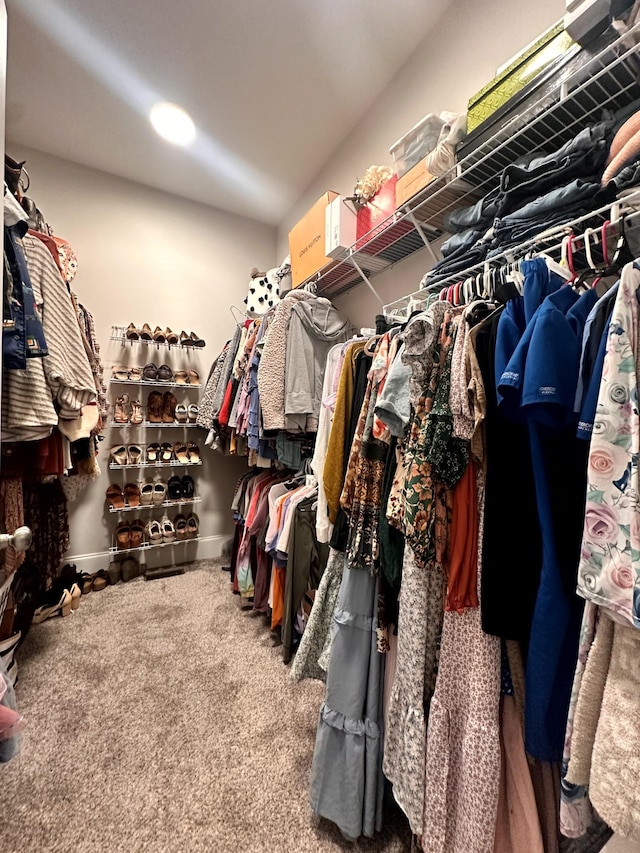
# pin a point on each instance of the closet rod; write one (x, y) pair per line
(510, 254)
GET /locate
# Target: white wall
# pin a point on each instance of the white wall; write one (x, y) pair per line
(458, 57)
(146, 256)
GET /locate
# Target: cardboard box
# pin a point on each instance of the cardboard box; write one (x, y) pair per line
(340, 227)
(381, 206)
(307, 241)
(408, 185)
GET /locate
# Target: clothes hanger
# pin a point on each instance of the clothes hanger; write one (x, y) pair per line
(243, 317)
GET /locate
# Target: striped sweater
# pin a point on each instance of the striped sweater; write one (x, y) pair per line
(58, 384)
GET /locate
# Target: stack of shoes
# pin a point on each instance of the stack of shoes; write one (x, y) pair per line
(63, 597)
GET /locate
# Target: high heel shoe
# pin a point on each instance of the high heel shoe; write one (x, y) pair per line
(132, 332)
(121, 414)
(196, 340)
(75, 593)
(62, 607)
(185, 339)
(171, 337)
(137, 417)
(158, 335)
(145, 333)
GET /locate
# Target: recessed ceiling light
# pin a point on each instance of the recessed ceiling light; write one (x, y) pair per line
(172, 123)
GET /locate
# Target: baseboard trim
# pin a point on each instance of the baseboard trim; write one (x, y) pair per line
(206, 548)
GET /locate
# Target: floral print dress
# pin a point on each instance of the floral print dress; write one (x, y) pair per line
(609, 571)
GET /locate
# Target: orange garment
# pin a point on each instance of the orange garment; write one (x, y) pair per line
(462, 588)
(277, 611)
(517, 823)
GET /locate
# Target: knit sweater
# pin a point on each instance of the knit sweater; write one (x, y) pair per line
(63, 378)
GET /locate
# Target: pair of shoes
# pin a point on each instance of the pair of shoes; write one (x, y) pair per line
(160, 452)
(62, 606)
(153, 493)
(124, 570)
(63, 596)
(127, 412)
(119, 498)
(126, 374)
(157, 374)
(186, 414)
(159, 532)
(186, 453)
(186, 377)
(191, 340)
(96, 582)
(187, 527)
(133, 333)
(129, 454)
(161, 408)
(129, 534)
(181, 488)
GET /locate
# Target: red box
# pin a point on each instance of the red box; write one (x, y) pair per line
(382, 205)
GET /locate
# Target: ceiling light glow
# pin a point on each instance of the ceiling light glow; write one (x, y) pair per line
(172, 123)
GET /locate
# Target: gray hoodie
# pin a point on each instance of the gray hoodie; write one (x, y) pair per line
(314, 327)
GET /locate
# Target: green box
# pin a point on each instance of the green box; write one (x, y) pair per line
(524, 68)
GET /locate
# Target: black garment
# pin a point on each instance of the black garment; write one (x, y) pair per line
(391, 542)
(340, 535)
(305, 565)
(512, 546)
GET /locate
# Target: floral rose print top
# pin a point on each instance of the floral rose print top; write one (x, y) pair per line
(609, 571)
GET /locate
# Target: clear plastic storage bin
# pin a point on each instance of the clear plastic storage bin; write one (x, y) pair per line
(417, 142)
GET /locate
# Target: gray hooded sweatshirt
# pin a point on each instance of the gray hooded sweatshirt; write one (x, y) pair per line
(315, 326)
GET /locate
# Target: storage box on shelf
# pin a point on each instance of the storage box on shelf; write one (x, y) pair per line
(307, 241)
(372, 217)
(416, 143)
(340, 227)
(609, 80)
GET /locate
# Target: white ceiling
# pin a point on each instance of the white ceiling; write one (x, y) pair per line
(274, 86)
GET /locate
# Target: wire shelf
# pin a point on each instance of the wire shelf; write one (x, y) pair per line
(607, 82)
(172, 464)
(151, 383)
(178, 503)
(150, 425)
(147, 546)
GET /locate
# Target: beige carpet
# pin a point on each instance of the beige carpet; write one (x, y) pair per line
(160, 718)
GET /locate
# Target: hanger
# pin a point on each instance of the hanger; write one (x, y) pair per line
(243, 317)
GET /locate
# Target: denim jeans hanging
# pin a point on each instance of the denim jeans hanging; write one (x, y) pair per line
(22, 333)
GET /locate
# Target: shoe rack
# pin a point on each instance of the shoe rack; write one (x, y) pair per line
(139, 445)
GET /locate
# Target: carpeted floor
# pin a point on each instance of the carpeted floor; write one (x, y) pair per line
(161, 719)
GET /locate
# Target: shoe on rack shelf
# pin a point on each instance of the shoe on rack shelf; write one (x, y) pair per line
(154, 407)
(180, 524)
(159, 492)
(193, 525)
(137, 416)
(180, 451)
(158, 335)
(132, 494)
(169, 404)
(185, 339)
(145, 333)
(153, 452)
(132, 332)
(181, 377)
(165, 374)
(174, 489)
(188, 487)
(182, 413)
(61, 607)
(137, 532)
(146, 493)
(150, 372)
(115, 496)
(193, 414)
(134, 452)
(123, 535)
(171, 337)
(120, 372)
(135, 374)
(121, 414)
(194, 376)
(166, 452)
(119, 454)
(194, 452)
(196, 340)
(154, 532)
(168, 530)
